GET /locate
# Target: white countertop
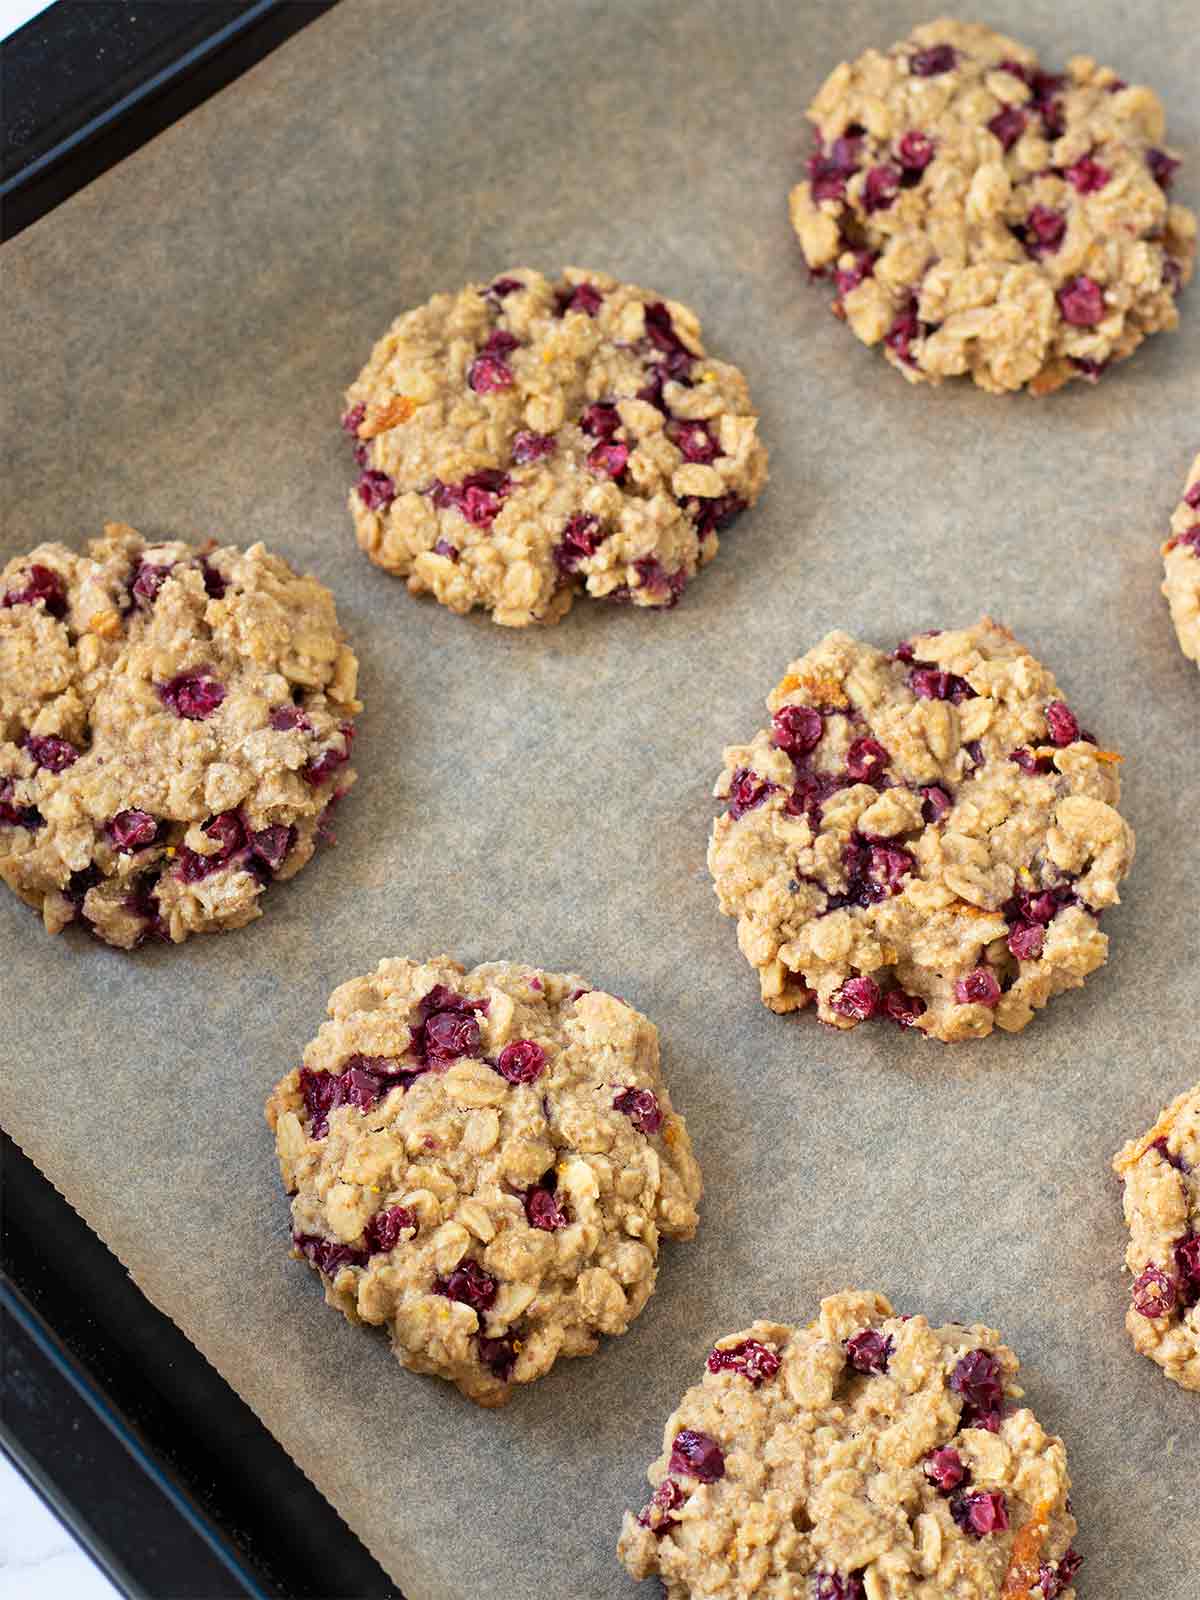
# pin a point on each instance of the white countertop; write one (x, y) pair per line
(39, 1559)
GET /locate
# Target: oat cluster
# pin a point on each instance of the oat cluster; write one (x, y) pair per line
(1181, 562)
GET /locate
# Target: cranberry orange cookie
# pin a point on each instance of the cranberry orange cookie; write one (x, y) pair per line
(927, 836)
(1161, 1174)
(865, 1455)
(979, 215)
(174, 723)
(484, 1161)
(524, 441)
(1181, 558)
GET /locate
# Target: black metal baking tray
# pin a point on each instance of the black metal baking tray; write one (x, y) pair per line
(135, 1441)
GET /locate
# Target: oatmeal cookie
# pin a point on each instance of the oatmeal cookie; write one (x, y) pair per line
(483, 1161)
(175, 722)
(1181, 560)
(1161, 1175)
(867, 1454)
(927, 835)
(524, 441)
(979, 215)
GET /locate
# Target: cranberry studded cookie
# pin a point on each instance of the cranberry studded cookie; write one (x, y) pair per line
(483, 1161)
(524, 441)
(174, 724)
(865, 1455)
(1161, 1175)
(1181, 559)
(979, 215)
(927, 836)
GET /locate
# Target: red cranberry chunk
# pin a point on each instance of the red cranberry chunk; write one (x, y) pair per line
(828, 170)
(362, 1082)
(858, 998)
(869, 1351)
(1008, 125)
(902, 332)
(935, 802)
(503, 287)
(271, 845)
(527, 446)
(543, 1210)
(847, 278)
(1162, 167)
(915, 151)
(880, 189)
(945, 1469)
(928, 683)
(608, 460)
(713, 513)
(1025, 941)
(192, 695)
(581, 538)
(327, 1255)
(132, 830)
(697, 1455)
(931, 63)
(835, 1586)
(978, 988)
(1154, 1293)
(522, 1061)
(230, 836)
(443, 547)
(487, 374)
(446, 1027)
(1088, 176)
(660, 331)
(977, 1378)
(746, 791)
(470, 1284)
(583, 297)
(1045, 231)
(499, 1356)
(148, 581)
(601, 420)
(13, 815)
(1187, 1269)
(1081, 302)
(887, 867)
(980, 1513)
(865, 760)
(903, 1008)
(50, 753)
(1056, 1578)
(323, 766)
(385, 1227)
(750, 1359)
(376, 490)
(666, 1498)
(1171, 1157)
(797, 729)
(641, 1107)
(45, 585)
(1030, 763)
(352, 418)
(1062, 723)
(284, 718)
(695, 441)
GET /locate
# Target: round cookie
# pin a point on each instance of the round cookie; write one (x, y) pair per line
(483, 1161)
(865, 1455)
(927, 836)
(525, 441)
(1161, 1175)
(1181, 561)
(979, 215)
(175, 722)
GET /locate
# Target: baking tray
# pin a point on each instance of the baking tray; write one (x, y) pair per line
(545, 795)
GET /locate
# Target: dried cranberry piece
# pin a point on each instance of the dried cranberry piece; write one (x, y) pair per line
(797, 729)
(751, 1360)
(1171, 1157)
(641, 1107)
(660, 331)
(945, 1469)
(697, 1455)
(192, 695)
(1088, 176)
(329, 761)
(980, 1513)
(215, 583)
(880, 189)
(527, 446)
(385, 1227)
(132, 830)
(583, 297)
(746, 791)
(284, 718)
(376, 490)
(1056, 1577)
(835, 1586)
(915, 151)
(352, 418)
(601, 420)
(1154, 1293)
(1062, 723)
(694, 440)
(713, 513)
(1044, 231)
(858, 999)
(869, 1351)
(666, 1498)
(490, 371)
(828, 170)
(847, 278)
(522, 1061)
(1081, 302)
(928, 683)
(148, 580)
(977, 1378)
(542, 1209)
(932, 62)
(1008, 125)
(443, 547)
(581, 538)
(503, 287)
(470, 1284)
(446, 1026)
(51, 753)
(978, 988)
(1187, 1269)
(1030, 763)
(1025, 941)
(935, 802)
(865, 760)
(903, 1008)
(45, 585)
(230, 834)
(499, 1356)
(13, 815)
(608, 460)
(1162, 167)
(362, 1082)
(902, 332)
(327, 1255)
(270, 845)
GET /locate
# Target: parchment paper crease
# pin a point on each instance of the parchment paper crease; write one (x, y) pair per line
(178, 337)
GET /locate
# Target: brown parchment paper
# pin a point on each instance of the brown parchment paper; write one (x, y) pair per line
(177, 339)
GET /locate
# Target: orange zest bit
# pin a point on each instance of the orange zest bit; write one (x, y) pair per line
(823, 691)
(1107, 755)
(1025, 1559)
(389, 415)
